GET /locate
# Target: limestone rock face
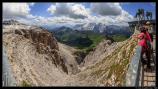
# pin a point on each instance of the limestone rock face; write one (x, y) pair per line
(69, 58)
(34, 55)
(44, 42)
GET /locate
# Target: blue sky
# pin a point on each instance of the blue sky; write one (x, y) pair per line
(40, 9)
(54, 13)
(132, 7)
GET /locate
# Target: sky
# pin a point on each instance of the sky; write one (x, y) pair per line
(75, 13)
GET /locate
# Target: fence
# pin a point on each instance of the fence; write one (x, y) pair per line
(133, 73)
(7, 76)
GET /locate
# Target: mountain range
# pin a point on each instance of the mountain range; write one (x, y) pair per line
(98, 28)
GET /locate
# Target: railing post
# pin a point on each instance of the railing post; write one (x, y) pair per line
(142, 82)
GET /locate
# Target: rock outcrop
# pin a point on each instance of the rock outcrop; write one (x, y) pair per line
(34, 54)
(67, 54)
(11, 22)
(44, 42)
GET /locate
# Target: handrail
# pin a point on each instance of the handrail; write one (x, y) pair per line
(133, 73)
(7, 78)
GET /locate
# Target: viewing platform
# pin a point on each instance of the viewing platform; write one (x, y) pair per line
(134, 23)
(138, 74)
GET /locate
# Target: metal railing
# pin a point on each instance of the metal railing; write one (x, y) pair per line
(133, 73)
(7, 76)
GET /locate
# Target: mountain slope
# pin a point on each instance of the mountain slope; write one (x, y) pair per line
(102, 50)
(34, 55)
(112, 69)
(67, 53)
(75, 38)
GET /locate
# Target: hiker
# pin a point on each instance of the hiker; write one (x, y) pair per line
(142, 42)
(149, 40)
(149, 32)
(149, 45)
(148, 27)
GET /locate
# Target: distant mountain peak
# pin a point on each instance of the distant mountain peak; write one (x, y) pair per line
(11, 22)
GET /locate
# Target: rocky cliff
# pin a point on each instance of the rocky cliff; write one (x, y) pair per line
(67, 54)
(33, 54)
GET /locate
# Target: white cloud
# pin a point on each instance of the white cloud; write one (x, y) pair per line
(14, 10)
(32, 4)
(121, 19)
(72, 10)
(125, 3)
(124, 17)
(109, 13)
(52, 9)
(106, 8)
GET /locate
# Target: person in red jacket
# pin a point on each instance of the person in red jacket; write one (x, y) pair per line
(142, 41)
(149, 43)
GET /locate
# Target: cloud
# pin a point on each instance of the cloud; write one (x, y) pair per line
(110, 13)
(31, 4)
(104, 9)
(125, 3)
(120, 20)
(14, 10)
(72, 10)
(40, 20)
(124, 17)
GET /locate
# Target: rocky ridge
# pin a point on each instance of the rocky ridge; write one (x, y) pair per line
(33, 53)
